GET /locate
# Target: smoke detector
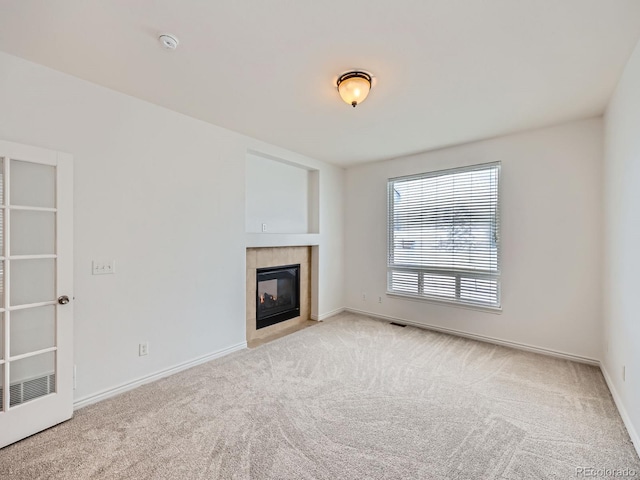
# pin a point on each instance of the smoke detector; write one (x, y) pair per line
(169, 42)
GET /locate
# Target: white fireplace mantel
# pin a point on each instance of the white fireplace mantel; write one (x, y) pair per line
(257, 240)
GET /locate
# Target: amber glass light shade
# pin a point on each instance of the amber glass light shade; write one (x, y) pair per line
(354, 87)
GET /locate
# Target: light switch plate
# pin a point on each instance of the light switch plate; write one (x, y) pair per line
(103, 267)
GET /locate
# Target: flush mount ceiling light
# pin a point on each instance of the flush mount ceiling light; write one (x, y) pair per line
(169, 42)
(354, 87)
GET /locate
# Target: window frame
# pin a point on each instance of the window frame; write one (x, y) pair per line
(456, 273)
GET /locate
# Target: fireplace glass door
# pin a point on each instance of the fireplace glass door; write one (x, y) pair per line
(277, 294)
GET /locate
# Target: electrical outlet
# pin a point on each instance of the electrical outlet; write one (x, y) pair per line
(624, 373)
(264, 227)
(364, 297)
(143, 349)
(103, 267)
(379, 299)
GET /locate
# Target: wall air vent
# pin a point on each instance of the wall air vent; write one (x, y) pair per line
(22, 392)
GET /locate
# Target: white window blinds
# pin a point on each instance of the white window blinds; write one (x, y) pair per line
(444, 235)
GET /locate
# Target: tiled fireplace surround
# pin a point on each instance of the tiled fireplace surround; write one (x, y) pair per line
(273, 257)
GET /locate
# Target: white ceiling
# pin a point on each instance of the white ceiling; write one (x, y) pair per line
(447, 71)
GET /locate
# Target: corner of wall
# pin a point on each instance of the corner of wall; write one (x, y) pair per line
(621, 195)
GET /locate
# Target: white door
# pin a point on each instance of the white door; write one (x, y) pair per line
(36, 288)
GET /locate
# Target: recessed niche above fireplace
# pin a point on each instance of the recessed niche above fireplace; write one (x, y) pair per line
(281, 197)
(277, 294)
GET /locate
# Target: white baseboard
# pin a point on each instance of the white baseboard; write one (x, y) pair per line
(324, 316)
(111, 392)
(623, 411)
(482, 338)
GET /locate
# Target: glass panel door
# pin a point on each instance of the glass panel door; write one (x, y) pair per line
(30, 252)
(36, 234)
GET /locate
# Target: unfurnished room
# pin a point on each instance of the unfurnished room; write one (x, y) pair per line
(319, 240)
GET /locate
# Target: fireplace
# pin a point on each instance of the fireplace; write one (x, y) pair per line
(277, 294)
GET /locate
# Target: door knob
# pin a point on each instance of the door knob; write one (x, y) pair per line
(63, 300)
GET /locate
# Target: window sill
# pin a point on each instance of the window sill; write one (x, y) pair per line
(466, 306)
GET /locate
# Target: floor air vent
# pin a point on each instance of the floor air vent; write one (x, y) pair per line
(28, 390)
(397, 324)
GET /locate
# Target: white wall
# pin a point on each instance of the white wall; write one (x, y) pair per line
(551, 230)
(164, 195)
(622, 244)
(277, 196)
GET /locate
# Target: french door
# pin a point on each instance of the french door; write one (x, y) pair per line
(36, 290)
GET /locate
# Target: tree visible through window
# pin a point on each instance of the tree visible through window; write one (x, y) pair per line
(444, 235)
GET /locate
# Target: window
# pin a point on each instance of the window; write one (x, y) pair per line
(444, 236)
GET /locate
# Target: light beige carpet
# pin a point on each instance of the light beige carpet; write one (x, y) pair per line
(352, 398)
